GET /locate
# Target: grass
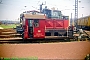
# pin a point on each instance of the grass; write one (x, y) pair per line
(5, 26)
(31, 58)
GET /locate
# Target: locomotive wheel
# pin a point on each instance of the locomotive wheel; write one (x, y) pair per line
(75, 38)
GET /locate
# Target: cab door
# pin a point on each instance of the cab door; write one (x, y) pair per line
(39, 29)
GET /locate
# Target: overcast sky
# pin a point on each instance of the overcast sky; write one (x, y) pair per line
(11, 9)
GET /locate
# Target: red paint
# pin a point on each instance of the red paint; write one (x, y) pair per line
(66, 24)
(58, 24)
(39, 32)
(26, 29)
(49, 24)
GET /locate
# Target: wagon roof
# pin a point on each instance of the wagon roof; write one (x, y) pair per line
(84, 17)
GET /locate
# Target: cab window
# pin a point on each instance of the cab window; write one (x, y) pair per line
(30, 23)
(36, 23)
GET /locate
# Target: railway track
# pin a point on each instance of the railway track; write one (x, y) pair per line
(31, 41)
(11, 41)
(11, 37)
(20, 41)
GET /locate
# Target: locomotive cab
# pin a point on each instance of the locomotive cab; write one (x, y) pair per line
(33, 25)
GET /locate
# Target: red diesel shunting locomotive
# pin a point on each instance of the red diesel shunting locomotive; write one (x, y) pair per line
(39, 25)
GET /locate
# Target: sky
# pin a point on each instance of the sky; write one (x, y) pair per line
(11, 9)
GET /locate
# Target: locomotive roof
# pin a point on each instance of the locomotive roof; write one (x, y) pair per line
(33, 15)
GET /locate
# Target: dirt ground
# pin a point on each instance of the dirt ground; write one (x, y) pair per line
(61, 50)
